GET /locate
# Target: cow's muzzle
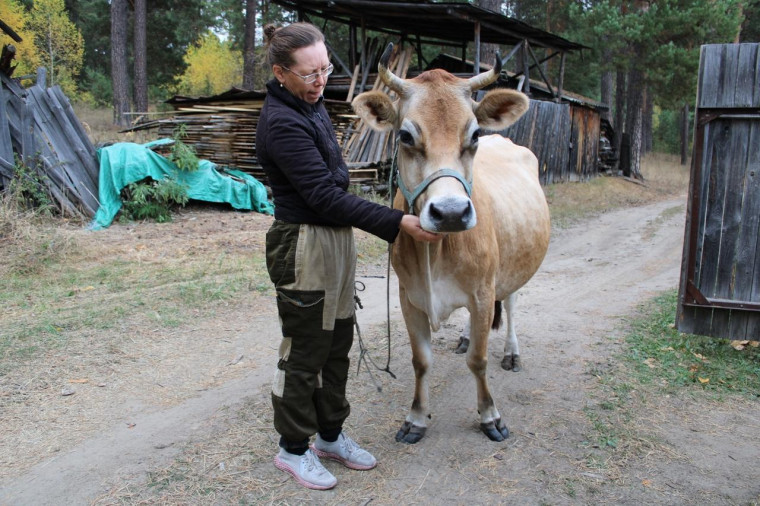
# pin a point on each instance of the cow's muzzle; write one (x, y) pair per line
(450, 213)
(411, 196)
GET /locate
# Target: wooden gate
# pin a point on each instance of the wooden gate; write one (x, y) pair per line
(719, 292)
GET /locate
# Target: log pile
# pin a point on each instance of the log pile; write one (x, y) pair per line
(367, 147)
(40, 132)
(222, 129)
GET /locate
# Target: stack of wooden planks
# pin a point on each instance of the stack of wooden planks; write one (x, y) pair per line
(40, 134)
(365, 147)
(222, 129)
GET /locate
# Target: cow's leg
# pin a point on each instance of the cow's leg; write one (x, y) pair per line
(511, 360)
(477, 360)
(417, 325)
(464, 339)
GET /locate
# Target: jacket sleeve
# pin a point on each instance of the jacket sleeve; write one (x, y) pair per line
(292, 148)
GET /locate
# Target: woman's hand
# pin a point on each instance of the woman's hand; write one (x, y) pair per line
(411, 225)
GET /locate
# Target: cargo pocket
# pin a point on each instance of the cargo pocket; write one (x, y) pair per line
(281, 244)
(301, 312)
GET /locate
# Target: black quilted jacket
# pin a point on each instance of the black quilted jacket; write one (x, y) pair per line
(296, 146)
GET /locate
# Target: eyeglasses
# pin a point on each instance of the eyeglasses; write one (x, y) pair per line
(308, 79)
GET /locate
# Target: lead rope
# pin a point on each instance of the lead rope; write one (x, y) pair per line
(364, 356)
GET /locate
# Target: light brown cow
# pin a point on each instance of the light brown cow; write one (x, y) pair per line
(484, 194)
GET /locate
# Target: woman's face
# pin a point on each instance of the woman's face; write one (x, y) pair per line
(308, 60)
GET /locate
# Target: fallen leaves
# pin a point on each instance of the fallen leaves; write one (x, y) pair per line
(742, 344)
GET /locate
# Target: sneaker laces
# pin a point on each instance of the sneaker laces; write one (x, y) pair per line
(311, 461)
(350, 445)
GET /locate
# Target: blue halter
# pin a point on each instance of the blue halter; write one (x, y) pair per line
(411, 196)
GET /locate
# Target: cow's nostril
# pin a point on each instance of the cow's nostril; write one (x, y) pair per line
(435, 213)
(467, 212)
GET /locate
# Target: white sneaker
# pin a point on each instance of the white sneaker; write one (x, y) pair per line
(306, 469)
(346, 451)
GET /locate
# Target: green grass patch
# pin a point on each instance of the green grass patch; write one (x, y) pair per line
(657, 361)
(661, 356)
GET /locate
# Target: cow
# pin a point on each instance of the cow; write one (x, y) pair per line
(483, 194)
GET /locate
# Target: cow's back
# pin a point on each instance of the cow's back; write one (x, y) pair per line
(509, 201)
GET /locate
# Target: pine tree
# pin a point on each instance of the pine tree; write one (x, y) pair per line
(59, 43)
(140, 56)
(119, 75)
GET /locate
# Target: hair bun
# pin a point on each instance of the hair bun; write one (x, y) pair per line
(269, 32)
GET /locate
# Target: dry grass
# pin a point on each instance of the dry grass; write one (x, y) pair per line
(99, 312)
(30, 238)
(98, 123)
(571, 202)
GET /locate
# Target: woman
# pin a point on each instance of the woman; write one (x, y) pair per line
(311, 256)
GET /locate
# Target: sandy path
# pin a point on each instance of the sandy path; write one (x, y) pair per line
(595, 273)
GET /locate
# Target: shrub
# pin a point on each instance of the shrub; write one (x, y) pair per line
(153, 200)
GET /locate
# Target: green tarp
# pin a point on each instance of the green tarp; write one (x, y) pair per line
(124, 163)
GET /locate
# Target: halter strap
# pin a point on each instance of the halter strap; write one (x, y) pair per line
(411, 196)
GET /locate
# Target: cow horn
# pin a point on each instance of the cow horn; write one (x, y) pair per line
(390, 79)
(484, 79)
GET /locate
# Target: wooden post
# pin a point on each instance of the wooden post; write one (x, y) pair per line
(41, 77)
(561, 80)
(419, 54)
(684, 133)
(352, 45)
(526, 67)
(476, 64)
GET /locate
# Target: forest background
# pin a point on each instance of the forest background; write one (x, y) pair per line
(132, 55)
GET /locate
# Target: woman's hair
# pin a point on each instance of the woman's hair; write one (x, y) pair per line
(282, 42)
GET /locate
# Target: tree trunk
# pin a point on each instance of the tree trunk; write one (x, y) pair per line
(647, 123)
(249, 45)
(620, 88)
(606, 86)
(119, 76)
(488, 51)
(634, 122)
(684, 133)
(141, 62)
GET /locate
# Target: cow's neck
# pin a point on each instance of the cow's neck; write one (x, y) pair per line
(427, 253)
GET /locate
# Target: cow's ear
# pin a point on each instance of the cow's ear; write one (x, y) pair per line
(375, 108)
(500, 108)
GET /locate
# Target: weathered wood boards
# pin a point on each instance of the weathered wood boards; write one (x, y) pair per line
(720, 276)
(222, 129)
(38, 126)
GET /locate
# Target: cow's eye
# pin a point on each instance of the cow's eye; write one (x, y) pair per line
(405, 138)
(475, 137)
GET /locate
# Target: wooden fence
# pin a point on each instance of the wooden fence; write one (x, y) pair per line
(564, 138)
(719, 292)
(39, 128)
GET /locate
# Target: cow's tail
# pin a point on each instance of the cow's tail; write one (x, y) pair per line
(496, 315)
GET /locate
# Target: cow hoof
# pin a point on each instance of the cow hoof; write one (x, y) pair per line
(495, 430)
(410, 433)
(464, 343)
(511, 363)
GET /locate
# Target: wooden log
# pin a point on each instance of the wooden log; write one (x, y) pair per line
(352, 86)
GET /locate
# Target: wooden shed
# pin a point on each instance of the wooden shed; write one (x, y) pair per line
(563, 129)
(719, 292)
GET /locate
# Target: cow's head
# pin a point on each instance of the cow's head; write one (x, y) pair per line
(438, 126)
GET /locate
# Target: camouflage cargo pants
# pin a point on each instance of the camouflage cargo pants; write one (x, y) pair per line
(312, 268)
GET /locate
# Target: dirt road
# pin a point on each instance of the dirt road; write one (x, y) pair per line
(216, 447)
